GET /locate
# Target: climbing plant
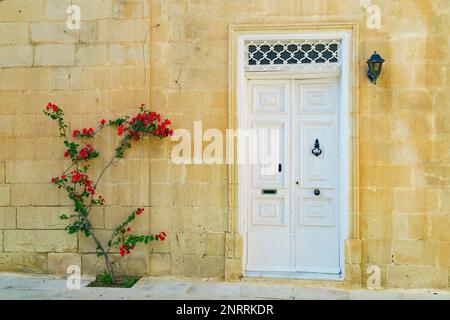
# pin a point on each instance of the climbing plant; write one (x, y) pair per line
(82, 189)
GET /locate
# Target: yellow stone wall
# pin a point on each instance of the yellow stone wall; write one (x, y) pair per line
(98, 72)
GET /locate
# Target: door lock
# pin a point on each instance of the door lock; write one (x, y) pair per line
(317, 192)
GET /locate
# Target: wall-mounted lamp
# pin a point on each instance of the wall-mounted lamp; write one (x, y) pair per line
(375, 64)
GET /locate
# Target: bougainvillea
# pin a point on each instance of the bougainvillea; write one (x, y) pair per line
(82, 190)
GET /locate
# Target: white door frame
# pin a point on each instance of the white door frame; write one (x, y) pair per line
(344, 132)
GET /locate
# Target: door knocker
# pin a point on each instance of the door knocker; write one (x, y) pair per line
(317, 151)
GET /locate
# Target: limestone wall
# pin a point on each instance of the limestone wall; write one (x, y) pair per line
(98, 71)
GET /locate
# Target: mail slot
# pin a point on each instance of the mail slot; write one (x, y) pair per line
(269, 191)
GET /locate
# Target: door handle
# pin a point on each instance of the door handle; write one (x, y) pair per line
(317, 192)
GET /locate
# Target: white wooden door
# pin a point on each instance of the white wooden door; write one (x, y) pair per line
(293, 215)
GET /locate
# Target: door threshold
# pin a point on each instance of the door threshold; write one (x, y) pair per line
(294, 275)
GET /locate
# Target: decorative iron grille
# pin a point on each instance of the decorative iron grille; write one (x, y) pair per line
(267, 55)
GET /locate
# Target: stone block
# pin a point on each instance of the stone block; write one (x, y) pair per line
(129, 9)
(215, 245)
(414, 252)
(353, 275)
(48, 217)
(89, 32)
(5, 198)
(21, 10)
(212, 267)
(444, 253)
(94, 55)
(39, 241)
(45, 32)
(32, 171)
(23, 262)
(404, 276)
(13, 33)
(233, 269)
(159, 264)
(229, 245)
(36, 195)
(16, 56)
(409, 226)
(122, 30)
(353, 251)
(439, 227)
(7, 218)
(127, 54)
(54, 55)
(191, 265)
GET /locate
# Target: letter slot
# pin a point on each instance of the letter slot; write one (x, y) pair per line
(269, 191)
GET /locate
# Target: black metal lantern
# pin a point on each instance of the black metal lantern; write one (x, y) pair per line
(375, 64)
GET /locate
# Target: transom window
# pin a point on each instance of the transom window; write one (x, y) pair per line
(267, 55)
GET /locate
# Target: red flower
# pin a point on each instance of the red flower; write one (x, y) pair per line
(52, 106)
(76, 133)
(120, 129)
(139, 211)
(102, 122)
(66, 154)
(129, 229)
(161, 236)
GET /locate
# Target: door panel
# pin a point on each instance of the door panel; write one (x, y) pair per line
(269, 97)
(269, 236)
(269, 211)
(317, 98)
(316, 211)
(317, 171)
(270, 153)
(317, 236)
(317, 239)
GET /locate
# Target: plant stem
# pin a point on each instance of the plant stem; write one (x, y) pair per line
(104, 253)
